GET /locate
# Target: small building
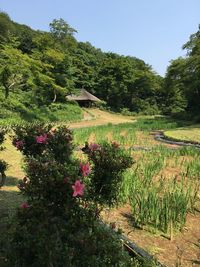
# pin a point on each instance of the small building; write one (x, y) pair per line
(84, 98)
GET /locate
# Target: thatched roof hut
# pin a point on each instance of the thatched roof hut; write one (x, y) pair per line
(84, 98)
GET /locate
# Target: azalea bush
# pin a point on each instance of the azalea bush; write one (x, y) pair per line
(58, 224)
(109, 161)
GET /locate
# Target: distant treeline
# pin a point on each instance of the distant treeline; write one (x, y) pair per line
(43, 67)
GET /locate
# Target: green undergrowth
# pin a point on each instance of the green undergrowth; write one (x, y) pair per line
(19, 108)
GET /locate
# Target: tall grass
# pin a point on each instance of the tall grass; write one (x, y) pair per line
(163, 205)
(124, 133)
(162, 202)
(162, 187)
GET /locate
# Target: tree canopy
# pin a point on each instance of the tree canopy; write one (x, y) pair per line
(49, 65)
(182, 81)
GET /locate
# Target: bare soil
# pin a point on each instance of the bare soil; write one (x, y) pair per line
(184, 249)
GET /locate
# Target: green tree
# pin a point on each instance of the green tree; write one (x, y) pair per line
(125, 82)
(60, 29)
(14, 70)
(182, 82)
(6, 27)
(174, 99)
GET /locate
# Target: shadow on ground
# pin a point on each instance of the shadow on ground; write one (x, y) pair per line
(11, 181)
(9, 201)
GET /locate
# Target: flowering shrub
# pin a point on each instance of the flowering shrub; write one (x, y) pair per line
(58, 223)
(78, 188)
(109, 162)
(28, 139)
(41, 140)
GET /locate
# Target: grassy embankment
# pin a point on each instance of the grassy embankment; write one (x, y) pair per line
(20, 108)
(187, 134)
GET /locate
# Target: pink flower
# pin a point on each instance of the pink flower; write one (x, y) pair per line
(24, 206)
(41, 139)
(94, 146)
(78, 188)
(19, 144)
(85, 169)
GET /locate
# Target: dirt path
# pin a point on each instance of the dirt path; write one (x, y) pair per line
(94, 117)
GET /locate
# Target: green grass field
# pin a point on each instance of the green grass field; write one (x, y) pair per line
(188, 134)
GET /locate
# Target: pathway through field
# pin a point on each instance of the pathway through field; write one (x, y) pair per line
(94, 117)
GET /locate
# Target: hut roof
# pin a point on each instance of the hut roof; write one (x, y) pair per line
(83, 95)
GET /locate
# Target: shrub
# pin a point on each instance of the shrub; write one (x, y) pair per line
(127, 112)
(25, 138)
(40, 140)
(58, 224)
(109, 161)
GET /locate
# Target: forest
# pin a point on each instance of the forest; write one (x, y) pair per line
(38, 69)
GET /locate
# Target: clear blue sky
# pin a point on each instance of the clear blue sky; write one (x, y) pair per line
(153, 30)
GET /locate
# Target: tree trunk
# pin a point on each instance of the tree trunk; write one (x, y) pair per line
(55, 96)
(6, 91)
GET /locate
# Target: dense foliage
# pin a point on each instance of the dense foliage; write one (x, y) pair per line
(43, 67)
(110, 161)
(58, 225)
(182, 82)
(40, 68)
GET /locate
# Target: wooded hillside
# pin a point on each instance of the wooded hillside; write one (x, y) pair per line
(38, 69)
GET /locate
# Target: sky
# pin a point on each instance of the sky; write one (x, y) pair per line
(152, 30)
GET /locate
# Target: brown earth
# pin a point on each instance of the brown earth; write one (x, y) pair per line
(183, 249)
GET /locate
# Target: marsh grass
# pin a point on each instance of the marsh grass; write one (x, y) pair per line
(162, 187)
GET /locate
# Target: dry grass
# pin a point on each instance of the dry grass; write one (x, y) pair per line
(9, 194)
(102, 117)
